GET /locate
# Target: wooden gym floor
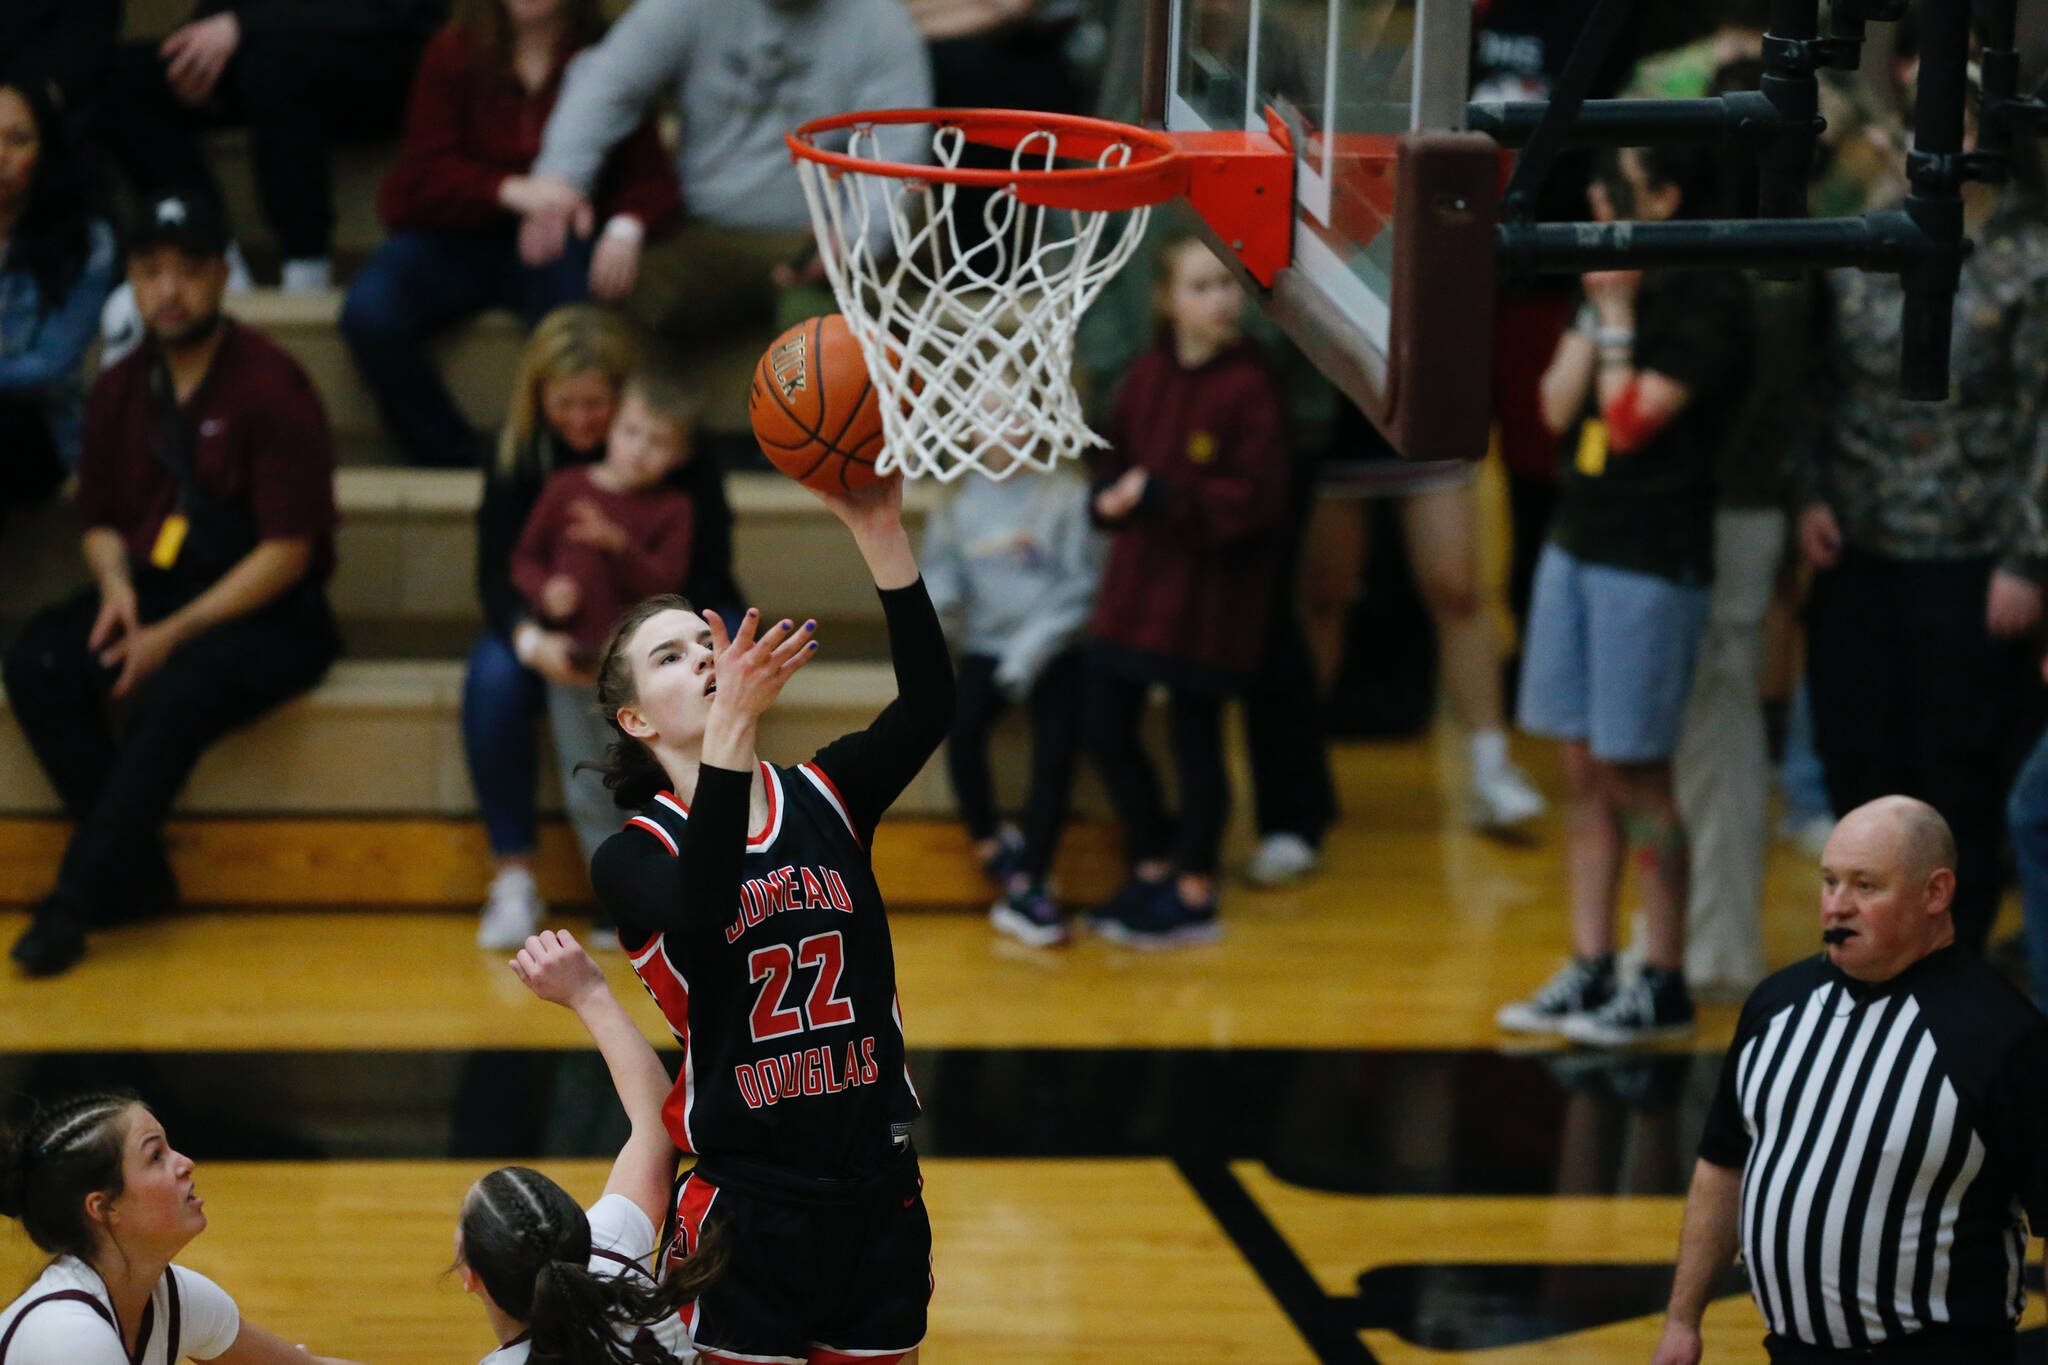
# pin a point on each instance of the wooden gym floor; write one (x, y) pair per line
(1304, 1143)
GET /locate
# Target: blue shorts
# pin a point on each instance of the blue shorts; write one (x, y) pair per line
(1609, 658)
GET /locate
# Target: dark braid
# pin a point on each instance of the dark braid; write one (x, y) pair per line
(530, 1245)
(631, 771)
(59, 1156)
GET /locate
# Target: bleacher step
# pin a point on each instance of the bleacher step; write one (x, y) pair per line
(383, 738)
(268, 863)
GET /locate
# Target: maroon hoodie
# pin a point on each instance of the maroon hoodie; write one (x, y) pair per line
(1190, 581)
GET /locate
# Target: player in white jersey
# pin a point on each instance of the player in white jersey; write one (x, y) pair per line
(96, 1184)
(566, 1286)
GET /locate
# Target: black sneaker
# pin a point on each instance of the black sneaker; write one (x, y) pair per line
(1655, 1005)
(1156, 917)
(998, 865)
(53, 941)
(1031, 917)
(1577, 988)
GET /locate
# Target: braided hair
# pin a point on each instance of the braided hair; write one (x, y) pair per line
(529, 1243)
(60, 1155)
(630, 770)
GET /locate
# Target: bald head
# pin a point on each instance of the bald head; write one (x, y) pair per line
(1887, 881)
(1915, 830)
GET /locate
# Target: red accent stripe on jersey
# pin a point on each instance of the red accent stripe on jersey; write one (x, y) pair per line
(773, 781)
(830, 790)
(671, 992)
(714, 1356)
(825, 1355)
(656, 830)
(693, 1206)
(669, 799)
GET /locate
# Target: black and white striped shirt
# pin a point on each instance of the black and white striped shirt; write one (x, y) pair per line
(1893, 1141)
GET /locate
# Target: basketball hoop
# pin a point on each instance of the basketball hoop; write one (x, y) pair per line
(971, 343)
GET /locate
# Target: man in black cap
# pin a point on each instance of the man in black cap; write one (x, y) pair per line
(206, 490)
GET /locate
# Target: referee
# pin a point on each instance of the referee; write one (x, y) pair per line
(1879, 1141)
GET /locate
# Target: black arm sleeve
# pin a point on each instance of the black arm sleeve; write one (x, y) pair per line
(871, 767)
(693, 891)
(1724, 1139)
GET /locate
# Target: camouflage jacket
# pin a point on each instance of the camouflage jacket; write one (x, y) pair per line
(1953, 480)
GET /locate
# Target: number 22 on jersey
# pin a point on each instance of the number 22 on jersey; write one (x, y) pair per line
(772, 967)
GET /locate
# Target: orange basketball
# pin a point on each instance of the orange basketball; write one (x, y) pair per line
(814, 408)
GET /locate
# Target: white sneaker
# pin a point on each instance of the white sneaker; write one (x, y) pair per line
(305, 274)
(1281, 858)
(240, 281)
(1499, 800)
(512, 913)
(120, 326)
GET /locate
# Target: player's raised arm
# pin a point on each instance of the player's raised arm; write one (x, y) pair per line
(871, 767)
(555, 968)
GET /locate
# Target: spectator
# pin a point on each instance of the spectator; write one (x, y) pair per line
(1194, 486)
(1878, 1145)
(297, 73)
(2026, 814)
(206, 489)
(742, 74)
(602, 537)
(1440, 516)
(56, 265)
(452, 204)
(1639, 393)
(59, 47)
(1924, 524)
(564, 399)
(1012, 564)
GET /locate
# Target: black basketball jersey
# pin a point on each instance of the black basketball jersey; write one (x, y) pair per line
(787, 1013)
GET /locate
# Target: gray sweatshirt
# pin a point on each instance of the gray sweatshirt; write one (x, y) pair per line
(742, 73)
(1012, 566)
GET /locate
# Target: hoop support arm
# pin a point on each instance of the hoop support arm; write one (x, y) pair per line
(1243, 186)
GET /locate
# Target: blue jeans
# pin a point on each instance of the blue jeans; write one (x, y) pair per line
(2026, 818)
(501, 700)
(420, 282)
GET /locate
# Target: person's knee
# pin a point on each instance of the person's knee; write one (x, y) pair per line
(496, 685)
(1451, 598)
(374, 312)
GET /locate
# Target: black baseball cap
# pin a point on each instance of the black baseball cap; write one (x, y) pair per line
(191, 222)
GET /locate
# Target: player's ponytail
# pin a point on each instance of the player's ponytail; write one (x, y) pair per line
(630, 770)
(529, 1243)
(57, 1157)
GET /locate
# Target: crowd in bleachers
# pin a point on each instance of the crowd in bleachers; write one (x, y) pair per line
(1697, 463)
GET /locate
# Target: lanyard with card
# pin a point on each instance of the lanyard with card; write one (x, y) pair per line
(173, 441)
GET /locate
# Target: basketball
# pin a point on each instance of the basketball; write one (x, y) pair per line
(814, 408)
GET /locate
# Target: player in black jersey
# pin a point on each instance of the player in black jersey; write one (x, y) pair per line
(746, 900)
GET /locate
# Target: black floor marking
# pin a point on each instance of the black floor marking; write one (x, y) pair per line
(1314, 1314)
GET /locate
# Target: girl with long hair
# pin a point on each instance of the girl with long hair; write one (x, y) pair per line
(745, 897)
(95, 1183)
(56, 268)
(567, 1286)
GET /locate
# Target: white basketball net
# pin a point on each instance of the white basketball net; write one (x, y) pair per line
(971, 347)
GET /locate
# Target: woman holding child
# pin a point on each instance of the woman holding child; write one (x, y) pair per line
(566, 398)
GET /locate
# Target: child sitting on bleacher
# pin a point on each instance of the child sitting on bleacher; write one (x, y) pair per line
(1012, 565)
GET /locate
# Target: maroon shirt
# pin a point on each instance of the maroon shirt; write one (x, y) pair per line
(470, 126)
(657, 522)
(259, 437)
(1191, 574)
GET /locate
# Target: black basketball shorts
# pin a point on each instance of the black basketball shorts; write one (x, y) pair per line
(807, 1285)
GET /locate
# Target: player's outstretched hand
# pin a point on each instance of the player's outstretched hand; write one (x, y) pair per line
(554, 967)
(876, 507)
(749, 672)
